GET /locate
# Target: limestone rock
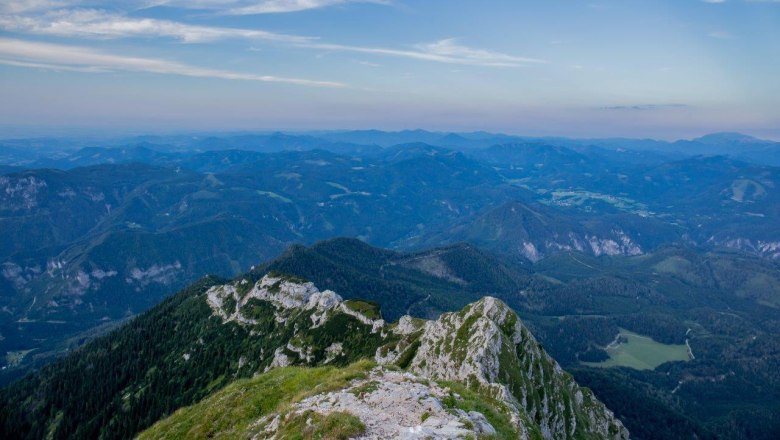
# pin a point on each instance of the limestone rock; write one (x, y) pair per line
(486, 345)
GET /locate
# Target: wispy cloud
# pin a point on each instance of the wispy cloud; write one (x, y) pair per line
(366, 63)
(58, 68)
(641, 107)
(22, 6)
(442, 51)
(101, 24)
(283, 6)
(53, 56)
(449, 48)
(247, 7)
(91, 23)
(224, 7)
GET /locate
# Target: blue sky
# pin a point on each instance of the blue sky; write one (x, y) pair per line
(664, 69)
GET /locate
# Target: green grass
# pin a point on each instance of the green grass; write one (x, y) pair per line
(640, 353)
(231, 412)
(366, 388)
(493, 410)
(578, 198)
(765, 288)
(681, 268)
(367, 308)
(408, 355)
(312, 426)
(14, 358)
(287, 277)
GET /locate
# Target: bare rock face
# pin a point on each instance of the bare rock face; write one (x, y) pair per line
(406, 326)
(227, 301)
(485, 345)
(296, 323)
(290, 295)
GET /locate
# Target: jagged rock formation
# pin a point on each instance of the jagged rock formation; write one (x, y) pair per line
(484, 346)
(269, 355)
(310, 327)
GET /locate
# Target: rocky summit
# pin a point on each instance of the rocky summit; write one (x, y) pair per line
(477, 373)
(485, 346)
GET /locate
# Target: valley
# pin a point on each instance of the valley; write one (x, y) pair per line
(668, 255)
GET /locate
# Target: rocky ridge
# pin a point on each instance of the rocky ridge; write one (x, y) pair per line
(484, 347)
(392, 404)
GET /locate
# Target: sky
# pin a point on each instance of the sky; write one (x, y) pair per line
(664, 69)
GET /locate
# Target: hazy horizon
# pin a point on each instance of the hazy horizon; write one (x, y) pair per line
(108, 134)
(665, 70)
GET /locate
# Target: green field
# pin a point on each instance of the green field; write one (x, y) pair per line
(640, 352)
(14, 358)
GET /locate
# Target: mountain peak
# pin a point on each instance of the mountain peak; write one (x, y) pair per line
(478, 371)
(486, 347)
(727, 138)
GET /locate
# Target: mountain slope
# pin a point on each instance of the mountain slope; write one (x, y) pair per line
(174, 355)
(423, 284)
(80, 245)
(486, 347)
(210, 334)
(535, 231)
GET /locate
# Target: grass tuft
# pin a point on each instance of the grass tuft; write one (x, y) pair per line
(313, 426)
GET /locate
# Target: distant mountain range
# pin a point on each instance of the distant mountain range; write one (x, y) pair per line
(90, 246)
(584, 239)
(69, 153)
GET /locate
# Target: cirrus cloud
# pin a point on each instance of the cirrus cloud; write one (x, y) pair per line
(244, 7)
(442, 51)
(52, 56)
(102, 24)
(91, 23)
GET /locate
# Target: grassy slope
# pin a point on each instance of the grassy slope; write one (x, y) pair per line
(229, 413)
(641, 353)
(174, 355)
